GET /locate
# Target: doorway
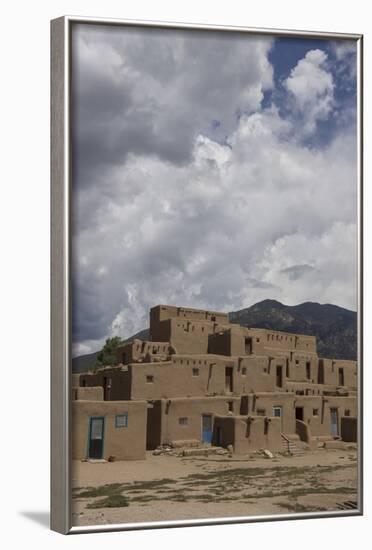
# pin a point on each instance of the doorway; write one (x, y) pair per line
(153, 428)
(107, 388)
(219, 436)
(279, 376)
(229, 379)
(341, 378)
(207, 428)
(278, 413)
(321, 371)
(334, 422)
(248, 346)
(96, 427)
(300, 413)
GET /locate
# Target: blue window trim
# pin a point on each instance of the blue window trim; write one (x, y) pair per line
(125, 415)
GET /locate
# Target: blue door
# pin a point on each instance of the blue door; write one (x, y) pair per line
(96, 425)
(278, 413)
(334, 422)
(207, 428)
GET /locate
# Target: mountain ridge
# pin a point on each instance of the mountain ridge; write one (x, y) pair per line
(334, 327)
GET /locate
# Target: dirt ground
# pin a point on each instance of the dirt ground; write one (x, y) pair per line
(163, 488)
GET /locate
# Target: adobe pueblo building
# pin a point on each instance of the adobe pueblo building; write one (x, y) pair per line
(201, 380)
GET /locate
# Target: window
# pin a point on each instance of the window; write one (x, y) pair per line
(195, 372)
(244, 371)
(183, 421)
(248, 346)
(347, 412)
(341, 378)
(297, 362)
(308, 372)
(315, 412)
(261, 412)
(230, 406)
(257, 340)
(121, 420)
(149, 379)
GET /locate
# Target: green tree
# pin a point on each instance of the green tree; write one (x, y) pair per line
(107, 355)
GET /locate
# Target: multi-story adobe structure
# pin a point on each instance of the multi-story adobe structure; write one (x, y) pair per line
(203, 379)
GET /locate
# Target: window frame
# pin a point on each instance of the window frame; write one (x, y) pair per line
(121, 415)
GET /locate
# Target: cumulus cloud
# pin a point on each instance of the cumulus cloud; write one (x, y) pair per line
(152, 92)
(311, 87)
(235, 211)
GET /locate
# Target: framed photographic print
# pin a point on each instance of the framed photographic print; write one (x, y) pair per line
(206, 274)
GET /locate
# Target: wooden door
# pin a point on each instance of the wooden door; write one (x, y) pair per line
(96, 437)
(207, 428)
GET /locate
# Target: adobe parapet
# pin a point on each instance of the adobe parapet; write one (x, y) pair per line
(274, 339)
(163, 312)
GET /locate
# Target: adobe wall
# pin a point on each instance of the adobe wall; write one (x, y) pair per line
(273, 341)
(303, 367)
(332, 369)
(116, 382)
(161, 312)
(189, 336)
(195, 376)
(94, 393)
(258, 433)
(231, 341)
(317, 411)
(219, 343)
(183, 376)
(161, 331)
(262, 404)
(192, 409)
(139, 350)
(184, 336)
(349, 370)
(125, 443)
(254, 374)
(248, 433)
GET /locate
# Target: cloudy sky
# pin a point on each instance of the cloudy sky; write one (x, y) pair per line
(210, 170)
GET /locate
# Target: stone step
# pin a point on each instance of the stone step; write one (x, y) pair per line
(292, 448)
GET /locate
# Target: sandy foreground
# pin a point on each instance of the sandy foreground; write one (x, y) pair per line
(163, 488)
